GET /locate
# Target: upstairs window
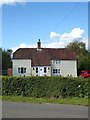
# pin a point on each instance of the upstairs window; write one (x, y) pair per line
(56, 61)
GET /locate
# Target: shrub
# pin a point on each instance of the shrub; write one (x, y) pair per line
(45, 86)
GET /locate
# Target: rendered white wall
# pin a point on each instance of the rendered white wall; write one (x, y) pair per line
(67, 67)
(21, 63)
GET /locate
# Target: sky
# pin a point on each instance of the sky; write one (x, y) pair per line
(56, 24)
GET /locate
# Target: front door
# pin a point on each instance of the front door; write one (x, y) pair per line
(41, 71)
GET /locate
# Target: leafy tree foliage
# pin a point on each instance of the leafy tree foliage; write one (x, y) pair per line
(83, 56)
(6, 59)
(77, 47)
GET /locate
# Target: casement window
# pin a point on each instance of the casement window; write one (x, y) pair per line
(56, 71)
(36, 69)
(45, 69)
(22, 70)
(18, 70)
(56, 61)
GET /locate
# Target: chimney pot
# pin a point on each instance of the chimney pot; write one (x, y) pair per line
(39, 40)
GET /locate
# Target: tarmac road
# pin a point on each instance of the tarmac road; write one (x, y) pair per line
(28, 110)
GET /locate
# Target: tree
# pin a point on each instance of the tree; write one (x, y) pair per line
(83, 56)
(6, 59)
(77, 47)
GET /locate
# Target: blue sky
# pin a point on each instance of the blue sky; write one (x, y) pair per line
(55, 23)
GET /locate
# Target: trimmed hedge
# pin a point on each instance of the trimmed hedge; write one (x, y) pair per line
(45, 86)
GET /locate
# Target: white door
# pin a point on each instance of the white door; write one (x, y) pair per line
(41, 71)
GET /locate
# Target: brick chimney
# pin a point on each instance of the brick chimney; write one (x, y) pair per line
(39, 44)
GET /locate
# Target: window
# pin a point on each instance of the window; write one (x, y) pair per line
(45, 69)
(18, 70)
(22, 70)
(56, 61)
(55, 71)
(36, 69)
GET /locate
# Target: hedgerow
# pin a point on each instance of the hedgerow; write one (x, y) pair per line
(46, 86)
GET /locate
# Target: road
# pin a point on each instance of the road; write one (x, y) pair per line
(28, 110)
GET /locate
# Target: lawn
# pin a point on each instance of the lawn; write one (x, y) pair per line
(73, 101)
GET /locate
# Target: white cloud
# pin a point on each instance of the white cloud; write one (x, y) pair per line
(76, 34)
(63, 40)
(54, 35)
(55, 45)
(23, 45)
(11, 2)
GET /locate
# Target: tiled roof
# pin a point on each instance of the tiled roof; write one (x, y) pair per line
(44, 55)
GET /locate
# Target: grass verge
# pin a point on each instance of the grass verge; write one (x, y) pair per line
(73, 101)
(0, 97)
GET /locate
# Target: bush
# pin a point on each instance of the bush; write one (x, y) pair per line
(45, 86)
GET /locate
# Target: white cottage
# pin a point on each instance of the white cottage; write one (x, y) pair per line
(44, 62)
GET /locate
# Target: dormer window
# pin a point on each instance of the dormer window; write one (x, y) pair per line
(56, 61)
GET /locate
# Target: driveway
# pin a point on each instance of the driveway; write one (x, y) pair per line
(28, 110)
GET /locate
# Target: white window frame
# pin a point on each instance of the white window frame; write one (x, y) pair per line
(56, 61)
(21, 70)
(56, 71)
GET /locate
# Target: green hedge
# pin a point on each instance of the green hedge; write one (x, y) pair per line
(45, 86)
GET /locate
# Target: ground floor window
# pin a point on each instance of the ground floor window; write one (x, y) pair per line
(45, 69)
(21, 70)
(36, 69)
(56, 71)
